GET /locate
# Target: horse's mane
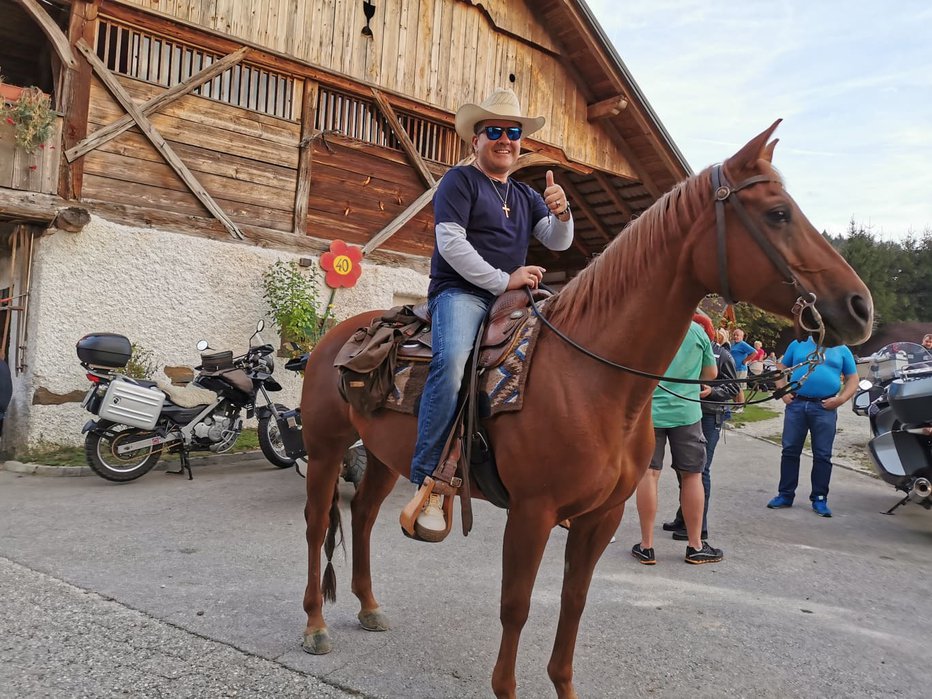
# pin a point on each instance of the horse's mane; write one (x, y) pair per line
(614, 272)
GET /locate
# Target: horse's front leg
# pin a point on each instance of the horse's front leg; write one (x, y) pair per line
(526, 535)
(589, 535)
(375, 487)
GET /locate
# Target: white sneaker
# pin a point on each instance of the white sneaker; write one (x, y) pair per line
(431, 517)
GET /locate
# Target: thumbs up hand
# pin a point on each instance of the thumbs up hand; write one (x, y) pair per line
(554, 196)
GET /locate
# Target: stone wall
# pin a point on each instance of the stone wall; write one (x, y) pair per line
(165, 291)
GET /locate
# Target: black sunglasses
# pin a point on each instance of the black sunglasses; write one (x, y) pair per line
(493, 133)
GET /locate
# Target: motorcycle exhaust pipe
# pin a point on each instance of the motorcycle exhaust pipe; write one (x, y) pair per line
(921, 490)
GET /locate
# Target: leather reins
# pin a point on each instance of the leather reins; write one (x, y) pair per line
(724, 193)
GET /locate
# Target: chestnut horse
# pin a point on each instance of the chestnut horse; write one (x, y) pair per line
(583, 439)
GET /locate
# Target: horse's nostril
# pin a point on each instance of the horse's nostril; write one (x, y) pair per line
(860, 307)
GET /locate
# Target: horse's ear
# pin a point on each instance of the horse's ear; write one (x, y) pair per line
(768, 151)
(755, 149)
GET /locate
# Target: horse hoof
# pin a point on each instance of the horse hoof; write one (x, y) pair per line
(317, 642)
(373, 620)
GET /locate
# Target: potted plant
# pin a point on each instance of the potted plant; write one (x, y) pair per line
(292, 296)
(31, 116)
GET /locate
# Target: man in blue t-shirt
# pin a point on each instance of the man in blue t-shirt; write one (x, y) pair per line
(812, 409)
(483, 223)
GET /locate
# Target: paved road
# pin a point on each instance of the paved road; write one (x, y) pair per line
(165, 587)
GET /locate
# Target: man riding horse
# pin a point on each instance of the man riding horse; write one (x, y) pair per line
(483, 223)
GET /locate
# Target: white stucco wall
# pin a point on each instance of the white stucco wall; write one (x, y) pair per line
(164, 291)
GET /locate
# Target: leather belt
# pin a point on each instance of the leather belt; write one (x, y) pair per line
(810, 399)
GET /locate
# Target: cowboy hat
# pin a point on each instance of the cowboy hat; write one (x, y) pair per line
(502, 104)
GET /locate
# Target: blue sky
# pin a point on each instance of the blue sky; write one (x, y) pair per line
(852, 81)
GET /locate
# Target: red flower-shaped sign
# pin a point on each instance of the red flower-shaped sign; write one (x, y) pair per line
(343, 265)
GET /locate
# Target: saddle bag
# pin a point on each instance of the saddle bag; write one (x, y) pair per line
(368, 360)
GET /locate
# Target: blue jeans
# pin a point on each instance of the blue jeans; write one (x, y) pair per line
(456, 316)
(800, 418)
(712, 430)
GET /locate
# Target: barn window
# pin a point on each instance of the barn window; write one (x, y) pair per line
(361, 119)
(164, 61)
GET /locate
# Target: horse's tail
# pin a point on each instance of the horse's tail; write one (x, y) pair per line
(329, 585)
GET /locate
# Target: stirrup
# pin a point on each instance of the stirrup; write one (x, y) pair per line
(409, 514)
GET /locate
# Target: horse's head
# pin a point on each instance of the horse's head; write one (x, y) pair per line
(765, 251)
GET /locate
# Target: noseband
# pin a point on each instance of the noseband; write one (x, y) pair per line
(722, 192)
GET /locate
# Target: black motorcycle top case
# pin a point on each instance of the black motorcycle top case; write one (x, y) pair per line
(104, 350)
(911, 401)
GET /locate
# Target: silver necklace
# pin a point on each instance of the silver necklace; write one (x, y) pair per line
(503, 199)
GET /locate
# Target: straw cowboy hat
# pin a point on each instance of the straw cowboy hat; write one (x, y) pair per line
(502, 104)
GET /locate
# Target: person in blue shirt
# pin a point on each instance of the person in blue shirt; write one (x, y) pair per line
(483, 223)
(812, 409)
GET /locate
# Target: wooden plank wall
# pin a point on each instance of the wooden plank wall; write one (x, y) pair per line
(248, 163)
(442, 52)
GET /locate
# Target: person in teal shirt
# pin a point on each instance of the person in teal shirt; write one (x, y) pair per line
(677, 419)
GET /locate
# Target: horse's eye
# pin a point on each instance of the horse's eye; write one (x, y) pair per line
(778, 216)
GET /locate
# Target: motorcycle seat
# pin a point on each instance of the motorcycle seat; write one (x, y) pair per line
(189, 396)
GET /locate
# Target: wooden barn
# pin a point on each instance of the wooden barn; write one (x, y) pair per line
(192, 144)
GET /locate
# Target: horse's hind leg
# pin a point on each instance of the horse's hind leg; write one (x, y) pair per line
(374, 488)
(587, 539)
(321, 513)
(526, 536)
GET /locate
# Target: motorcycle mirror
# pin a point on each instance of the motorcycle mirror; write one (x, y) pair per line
(202, 345)
(260, 326)
(864, 384)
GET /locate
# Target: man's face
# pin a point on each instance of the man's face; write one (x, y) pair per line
(738, 335)
(927, 342)
(499, 156)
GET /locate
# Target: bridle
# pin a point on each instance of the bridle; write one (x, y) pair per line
(724, 193)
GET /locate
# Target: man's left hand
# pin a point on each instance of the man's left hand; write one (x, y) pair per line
(554, 196)
(832, 403)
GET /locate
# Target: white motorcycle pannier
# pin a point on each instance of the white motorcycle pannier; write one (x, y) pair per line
(129, 404)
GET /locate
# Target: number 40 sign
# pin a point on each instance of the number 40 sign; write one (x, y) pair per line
(343, 265)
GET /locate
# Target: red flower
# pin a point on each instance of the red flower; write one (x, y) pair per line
(342, 265)
(9, 120)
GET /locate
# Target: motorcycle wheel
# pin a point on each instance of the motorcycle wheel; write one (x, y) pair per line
(354, 464)
(100, 451)
(270, 441)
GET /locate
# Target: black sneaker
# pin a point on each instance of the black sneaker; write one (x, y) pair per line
(681, 535)
(644, 556)
(706, 554)
(674, 526)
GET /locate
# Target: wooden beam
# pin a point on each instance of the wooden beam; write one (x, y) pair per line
(606, 184)
(52, 32)
(305, 156)
(33, 207)
(579, 203)
(606, 108)
(532, 160)
(156, 139)
(416, 160)
(111, 131)
(413, 209)
(82, 24)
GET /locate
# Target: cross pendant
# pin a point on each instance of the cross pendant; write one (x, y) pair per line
(506, 209)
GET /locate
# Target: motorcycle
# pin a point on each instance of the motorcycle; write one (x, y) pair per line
(138, 419)
(897, 398)
(289, 427)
